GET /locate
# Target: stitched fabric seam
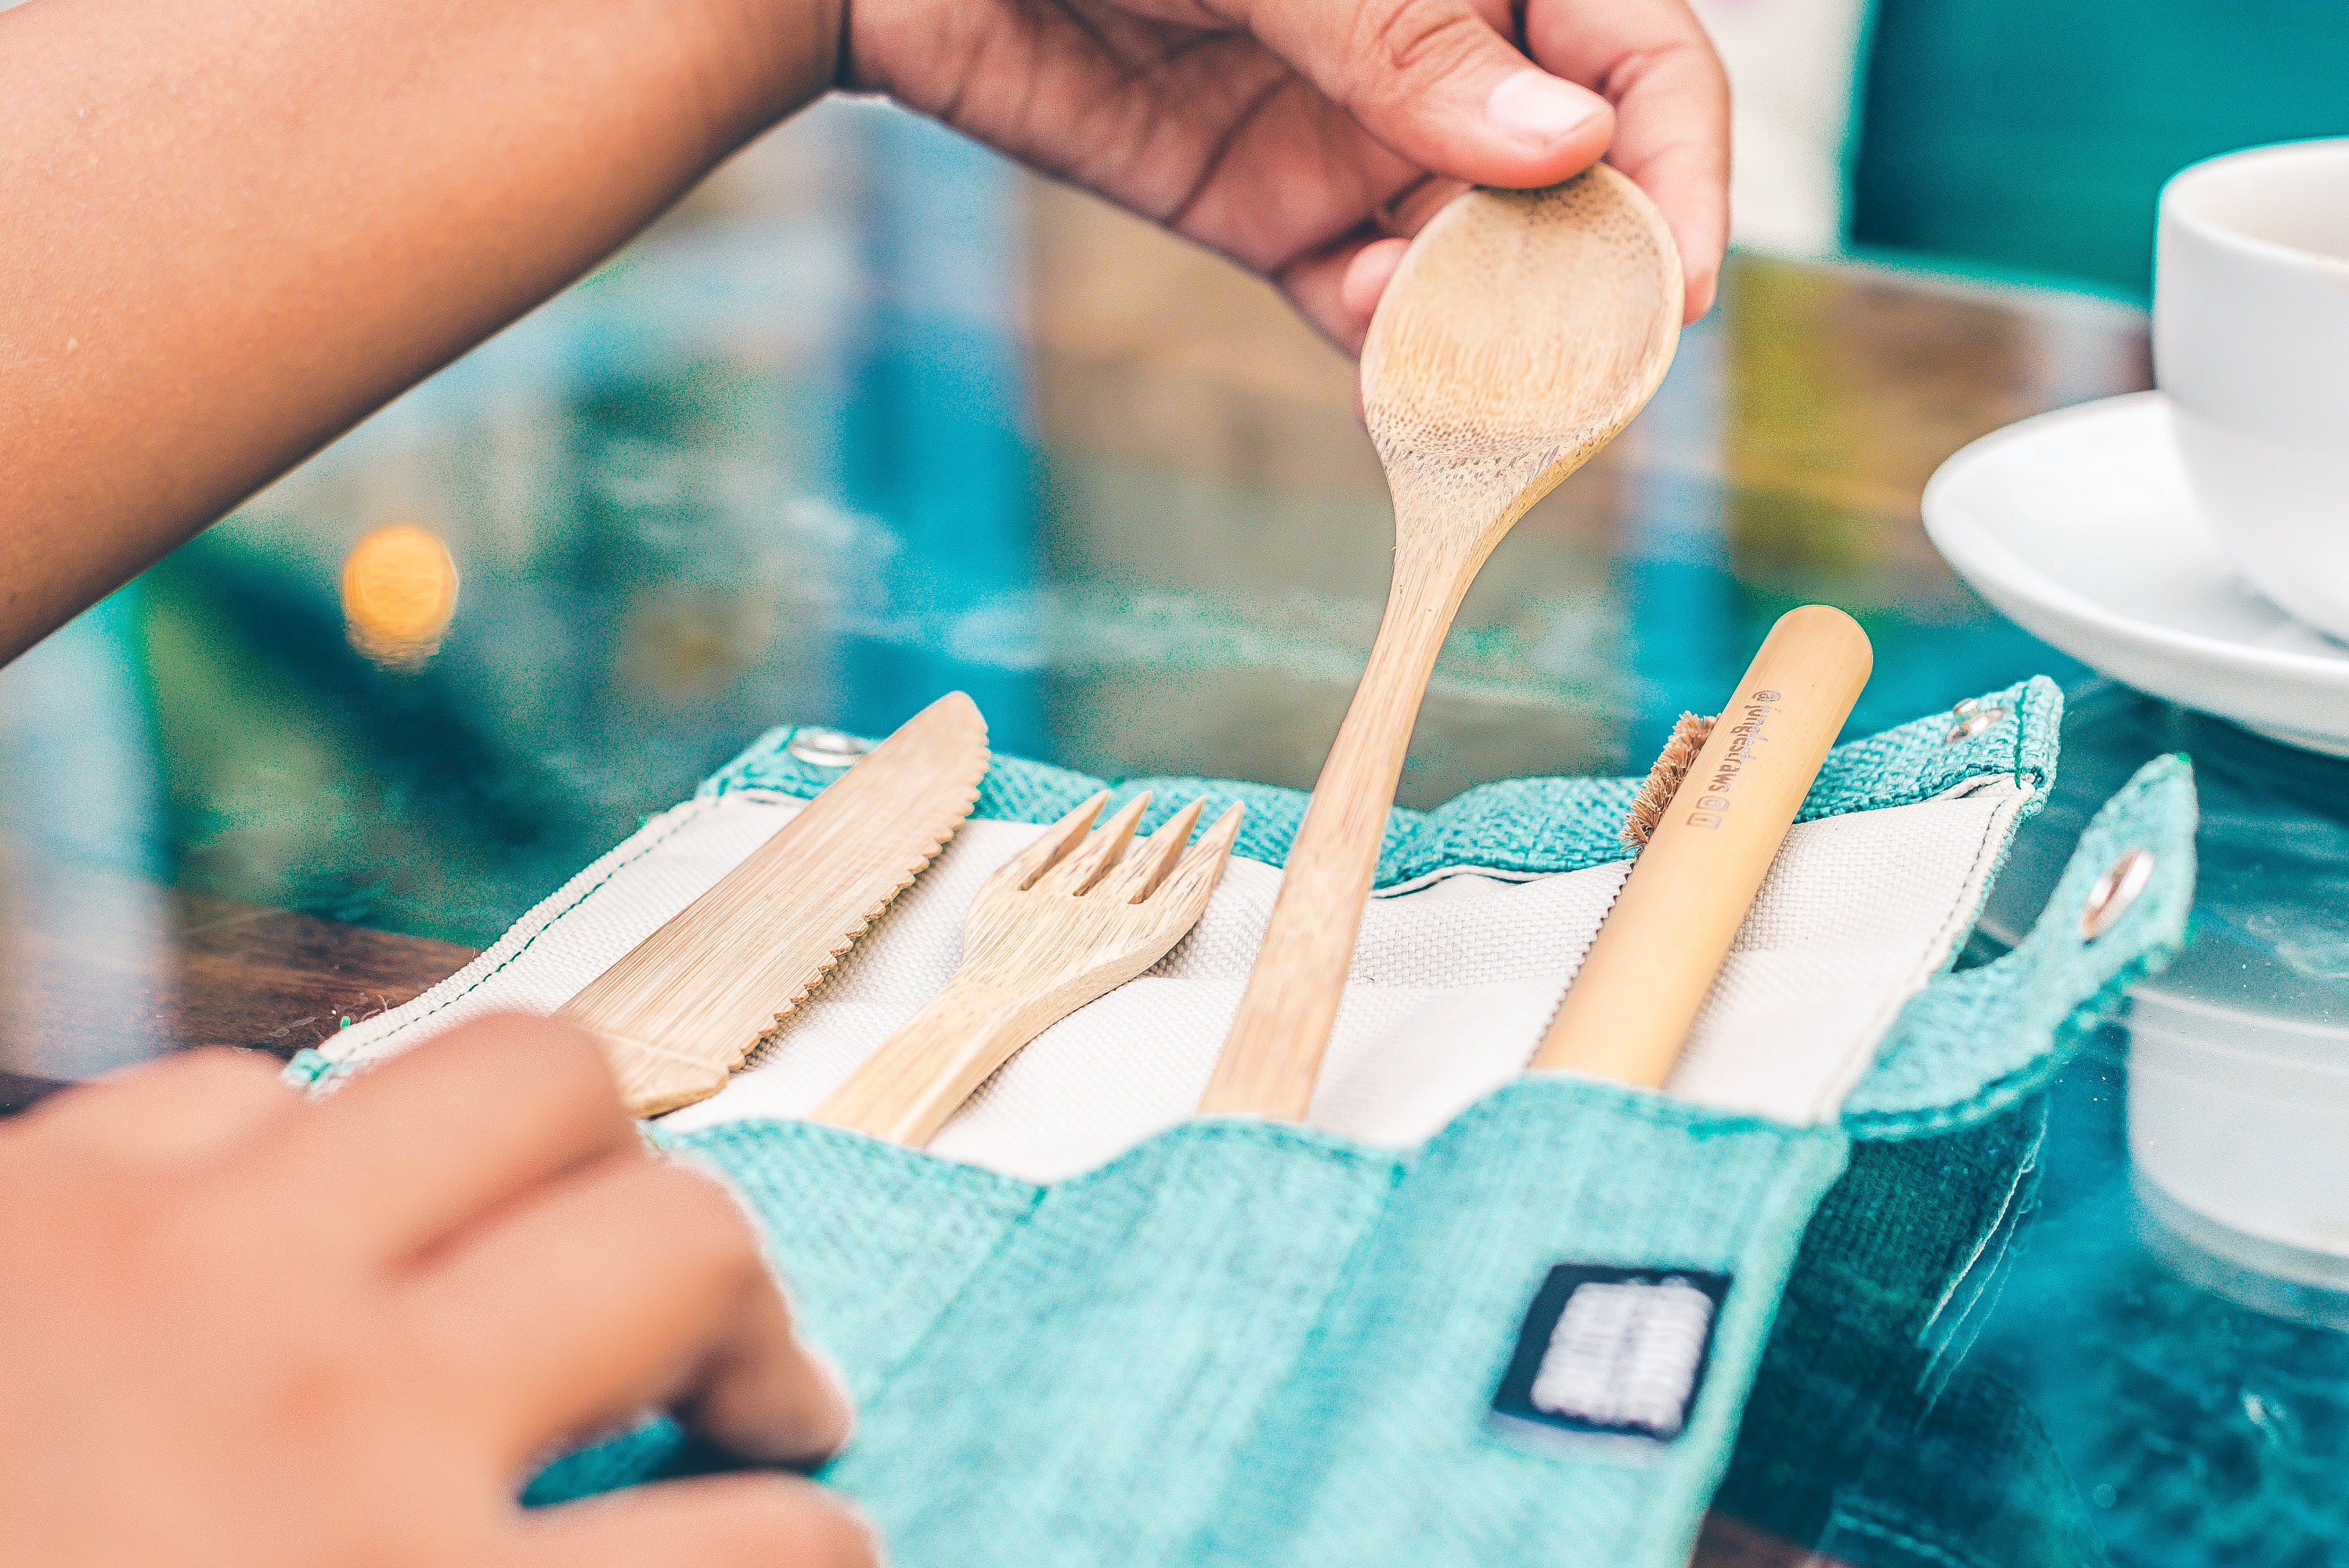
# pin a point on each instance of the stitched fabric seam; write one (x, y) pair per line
(2029, 705)
(1332, 1294)
(2000, 827)
(2029, 714)
(1975, 1255)
(1779, 1222)
(528, 942)
(885, 1374)
(2079, 1020)
(1699, 1122)
(2063, 1032)
(1863, 1517)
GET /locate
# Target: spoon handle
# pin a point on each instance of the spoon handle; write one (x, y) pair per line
(1273, 1052)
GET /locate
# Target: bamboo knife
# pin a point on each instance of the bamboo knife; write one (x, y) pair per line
(677, 1015)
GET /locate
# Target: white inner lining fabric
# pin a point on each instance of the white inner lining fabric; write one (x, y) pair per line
(1452, 981)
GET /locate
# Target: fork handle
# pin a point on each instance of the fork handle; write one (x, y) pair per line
(905, 1091)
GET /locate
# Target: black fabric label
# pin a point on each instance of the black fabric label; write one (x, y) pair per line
(1610, 1355)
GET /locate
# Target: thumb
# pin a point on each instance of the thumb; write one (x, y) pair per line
(1439, 85)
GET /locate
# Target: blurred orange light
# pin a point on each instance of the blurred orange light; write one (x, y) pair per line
(400, 593)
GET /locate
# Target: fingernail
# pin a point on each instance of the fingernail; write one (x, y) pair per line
(1535, 106)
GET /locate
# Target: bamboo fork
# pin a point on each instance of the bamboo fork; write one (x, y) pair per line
(1522, 330)
(1709, 841)
(1061, 923)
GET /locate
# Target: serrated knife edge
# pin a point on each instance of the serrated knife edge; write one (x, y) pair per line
(680, 1011)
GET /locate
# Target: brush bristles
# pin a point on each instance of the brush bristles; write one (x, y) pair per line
(1663, 781)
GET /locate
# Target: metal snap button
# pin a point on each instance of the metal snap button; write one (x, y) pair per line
(827, 747)
(1969, 705)
(2115, 892)
(1973, 720)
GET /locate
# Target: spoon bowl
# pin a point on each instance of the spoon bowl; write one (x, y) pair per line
(1522, 332)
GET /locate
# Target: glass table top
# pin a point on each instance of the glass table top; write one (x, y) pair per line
(793, 459)
(871, 417)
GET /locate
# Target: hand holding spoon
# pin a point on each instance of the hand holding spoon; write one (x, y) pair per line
(1521, 333)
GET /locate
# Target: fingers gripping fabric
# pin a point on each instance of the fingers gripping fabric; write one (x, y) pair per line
(1241, 1343)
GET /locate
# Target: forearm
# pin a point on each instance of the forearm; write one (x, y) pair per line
(230, 229)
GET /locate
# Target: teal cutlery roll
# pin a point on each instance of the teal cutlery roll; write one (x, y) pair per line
(1464, 1315)
(1246, 1342)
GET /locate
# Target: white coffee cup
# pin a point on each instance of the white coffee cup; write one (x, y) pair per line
(2251, 346)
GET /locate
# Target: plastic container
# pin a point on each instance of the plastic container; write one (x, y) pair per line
(2237, 1092)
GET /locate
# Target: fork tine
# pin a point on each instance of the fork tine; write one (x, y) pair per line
(1089, 862)
(1138, 875)
(1197, 872)
(1024, 868)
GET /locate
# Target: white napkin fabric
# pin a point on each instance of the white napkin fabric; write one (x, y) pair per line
(1454, 980)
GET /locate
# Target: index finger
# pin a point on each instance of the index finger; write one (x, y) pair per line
(1652, 60)
(185, 1108)
(419, 1147)
(631, 1284)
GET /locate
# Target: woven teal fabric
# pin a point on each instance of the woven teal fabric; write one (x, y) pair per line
(1244, 1342)
(1516, 825)
(1945, 1064)
(1865, 1434)
(1865, 1427)
(1314, 1331)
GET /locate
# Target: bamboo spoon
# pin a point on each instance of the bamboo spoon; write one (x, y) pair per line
(1653, 962)
(1061, 923)
(1522, 330)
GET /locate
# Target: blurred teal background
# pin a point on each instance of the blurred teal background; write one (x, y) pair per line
(872, 416)
(2036, 134)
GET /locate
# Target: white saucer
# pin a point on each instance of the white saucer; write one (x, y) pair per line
(2078, 524)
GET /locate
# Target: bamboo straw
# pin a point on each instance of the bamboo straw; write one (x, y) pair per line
(1649, 970)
